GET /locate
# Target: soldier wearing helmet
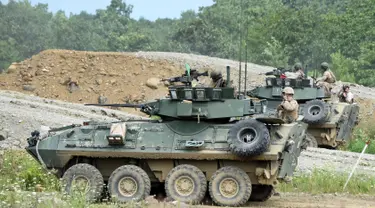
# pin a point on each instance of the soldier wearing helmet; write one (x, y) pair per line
(299, 71)
(217, 80)
(288, 109)
(345, 95)
(327, 79)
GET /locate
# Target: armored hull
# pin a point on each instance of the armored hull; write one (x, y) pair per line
(258, 154)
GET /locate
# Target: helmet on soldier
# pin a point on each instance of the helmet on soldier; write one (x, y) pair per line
(324, 65)
(215, 75)
(297, 66)
(345, 86)
(288, 90)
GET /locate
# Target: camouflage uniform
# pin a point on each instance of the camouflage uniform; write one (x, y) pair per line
(298, 71)
(288, 110)
(327, 79)
(217, 80)
(348, 98)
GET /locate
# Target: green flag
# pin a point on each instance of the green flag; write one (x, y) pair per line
(187, 69)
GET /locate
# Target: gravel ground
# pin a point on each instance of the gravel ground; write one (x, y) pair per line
(20, 114)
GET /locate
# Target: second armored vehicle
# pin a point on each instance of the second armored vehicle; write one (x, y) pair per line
(192, 149)
(330, 123)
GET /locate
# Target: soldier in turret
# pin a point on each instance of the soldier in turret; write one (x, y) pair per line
(327, 79)
(288, 109)
(345, 95)
(299, 71)
(217, 80)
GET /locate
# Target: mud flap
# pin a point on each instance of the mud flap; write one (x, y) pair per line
(347, 127)
(292, 150)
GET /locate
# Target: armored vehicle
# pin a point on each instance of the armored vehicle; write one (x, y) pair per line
(193, 147)
(330, 123)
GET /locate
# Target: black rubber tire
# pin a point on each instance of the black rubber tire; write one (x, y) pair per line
(312, 142)
(261, 193)
(138, 175)
(242, 180)
(89, 172)
(315, 112)
(259, 143)
(197, 177)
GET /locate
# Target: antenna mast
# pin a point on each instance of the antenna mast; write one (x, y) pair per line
(239, 76)
(247, 35)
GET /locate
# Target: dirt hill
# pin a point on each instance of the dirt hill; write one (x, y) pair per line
(83, 77)
(87, 77)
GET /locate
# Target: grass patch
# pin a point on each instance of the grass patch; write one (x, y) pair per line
(327, 181)
(359, 138)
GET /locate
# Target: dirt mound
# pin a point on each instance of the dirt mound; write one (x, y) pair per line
(90, 77)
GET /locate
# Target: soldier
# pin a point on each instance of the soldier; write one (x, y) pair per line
(217, 80)
(288, 109)
(299, 71)
(345, 95)
(327, 79)
(195, 82)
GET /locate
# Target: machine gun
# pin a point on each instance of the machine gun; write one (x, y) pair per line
(188, 77)
(147, 108)
(278, 72)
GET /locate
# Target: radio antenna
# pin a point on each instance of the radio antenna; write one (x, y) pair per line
(239, 76)
(247, 35)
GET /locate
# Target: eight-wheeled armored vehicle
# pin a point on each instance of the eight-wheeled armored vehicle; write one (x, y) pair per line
(196, 145)
(330, 123)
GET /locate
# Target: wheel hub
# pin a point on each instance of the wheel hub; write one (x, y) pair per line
(81, 184)
(229, 187)
(184, 185)
(128, 186)
(314, 110)
(248, 135)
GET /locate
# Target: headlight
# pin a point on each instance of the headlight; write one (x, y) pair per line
(268, 82)
(287, 82)
(264, 109)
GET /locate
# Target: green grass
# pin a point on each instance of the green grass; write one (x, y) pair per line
(327, 181)
(359, 138)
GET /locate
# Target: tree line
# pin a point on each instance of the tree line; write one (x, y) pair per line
(270, 32)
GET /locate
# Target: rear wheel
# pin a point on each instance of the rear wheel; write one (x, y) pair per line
(186, 183)
(311, 141)
(230, 186)
(84, 179)
(261, 192)
(129, 183)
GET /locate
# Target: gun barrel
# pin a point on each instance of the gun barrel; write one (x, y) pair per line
(116, 105)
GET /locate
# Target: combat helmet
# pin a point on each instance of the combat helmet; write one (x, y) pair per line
(215, 75)
(288, 90)
(324, 65)
(297, 66)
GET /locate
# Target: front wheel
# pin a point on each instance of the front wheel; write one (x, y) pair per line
(83, 179)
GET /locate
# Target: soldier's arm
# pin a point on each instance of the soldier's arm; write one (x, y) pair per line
(290, 106)
(324, 77)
